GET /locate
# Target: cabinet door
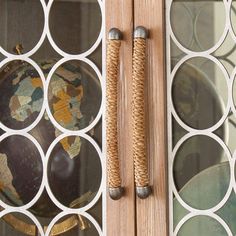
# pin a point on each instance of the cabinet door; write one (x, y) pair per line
(131, 215)
(52, 167)
(121, 213)
(200, 59)
(151, 213)
(200, 93)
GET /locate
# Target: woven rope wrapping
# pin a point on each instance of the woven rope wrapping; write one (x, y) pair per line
(113, 165)
(138, 114)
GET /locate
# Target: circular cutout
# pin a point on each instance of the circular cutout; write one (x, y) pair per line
(77, 29)
(199, 93)
(74, 225)
(199, 171)
(21, 23)
(21, 170)
(17, 224)
(202, 225)
(21, 90)
(74, 171)
(195, 24)
(74, 95)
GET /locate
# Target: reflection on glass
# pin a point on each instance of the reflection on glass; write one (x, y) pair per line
(196, 98)
(199, 93)
(195, 155)
(196, 192)
(71, 26)
(20, 170)
(202, 225)
(74, 95)
(193, 23)
(74, 171)
(20, 22)
(21, 90)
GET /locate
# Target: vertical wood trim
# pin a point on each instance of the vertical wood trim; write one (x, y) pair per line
(152, 217)
(121, 214)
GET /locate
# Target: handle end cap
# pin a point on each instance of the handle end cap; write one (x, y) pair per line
(114, 34)
(143, 192)
(116, 193)
(140, 32)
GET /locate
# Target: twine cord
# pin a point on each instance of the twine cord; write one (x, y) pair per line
(138, 114)
(113, 165)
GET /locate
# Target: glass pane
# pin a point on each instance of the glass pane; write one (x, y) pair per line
(74, 171)
(202, 225)
(21, 22)
(74, 225)
(46, 57)
(50, 115)
(96, 133)
(195, 155)
(71, 26)
(17, 224)
(21, 90)
(19, 187)
(233, 15)
(227, 212)
(199, 93)
(201, 77)
(45, 132)
(96, 212)
(74, 95)
(193, 23)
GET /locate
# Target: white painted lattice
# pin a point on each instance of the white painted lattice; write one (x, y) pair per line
(65, 132)
(191, 132)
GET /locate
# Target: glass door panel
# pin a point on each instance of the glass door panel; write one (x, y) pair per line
(201, 71)
(51, 112)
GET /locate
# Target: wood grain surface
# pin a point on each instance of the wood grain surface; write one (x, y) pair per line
(152, 212)
(121, 213)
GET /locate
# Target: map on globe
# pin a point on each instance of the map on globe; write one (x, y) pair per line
(65, 95)
(6, 185)
(25, 99)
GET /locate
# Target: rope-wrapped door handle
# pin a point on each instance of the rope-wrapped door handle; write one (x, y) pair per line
(143, 189)
(113, 166)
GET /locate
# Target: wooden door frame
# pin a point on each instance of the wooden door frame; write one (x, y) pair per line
(120, 218)
(131, 216)
(152, 213)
